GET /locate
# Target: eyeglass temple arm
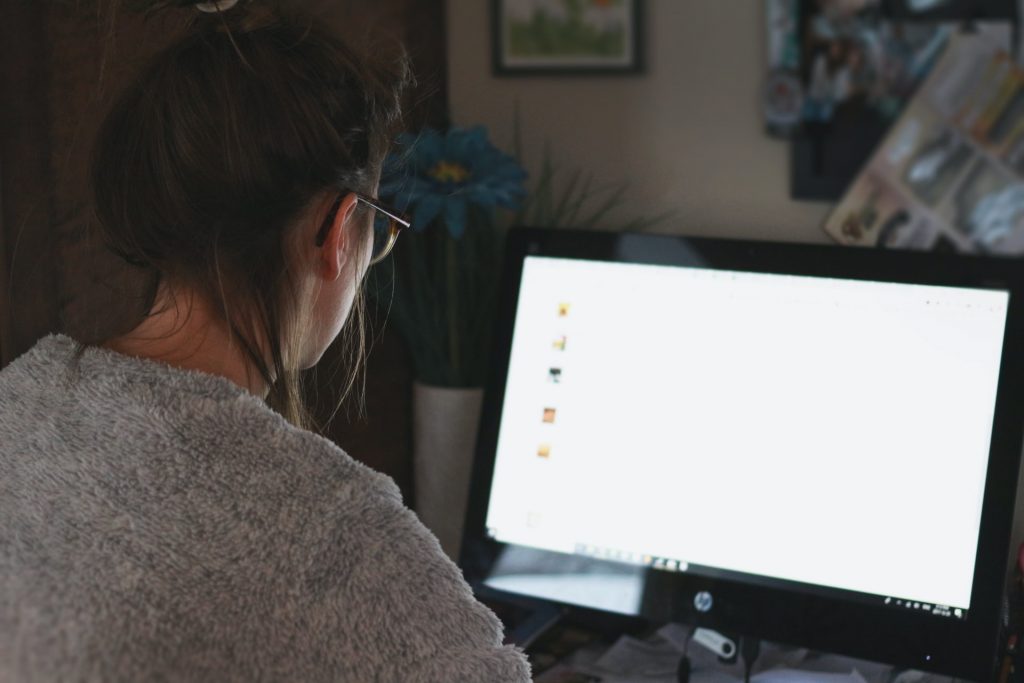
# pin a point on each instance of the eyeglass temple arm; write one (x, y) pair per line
(404, 222)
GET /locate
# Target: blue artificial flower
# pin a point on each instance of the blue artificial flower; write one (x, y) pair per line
(438, 175)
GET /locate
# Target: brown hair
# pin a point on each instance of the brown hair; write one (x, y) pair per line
(218, 146)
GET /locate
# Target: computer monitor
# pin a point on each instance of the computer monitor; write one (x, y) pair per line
(809, 444)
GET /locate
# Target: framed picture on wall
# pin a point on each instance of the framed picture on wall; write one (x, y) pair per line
(546, 37)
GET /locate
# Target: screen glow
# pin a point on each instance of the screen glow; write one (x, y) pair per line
(831, 432)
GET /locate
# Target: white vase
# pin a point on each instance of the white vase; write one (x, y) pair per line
(445, 423)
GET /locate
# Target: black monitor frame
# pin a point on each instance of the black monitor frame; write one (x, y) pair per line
(797, 615)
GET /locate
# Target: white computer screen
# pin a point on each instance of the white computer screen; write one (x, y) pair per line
(830, 432)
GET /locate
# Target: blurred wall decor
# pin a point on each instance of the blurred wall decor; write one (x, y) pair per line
(950, 174)
(566, 36)
(841, 71)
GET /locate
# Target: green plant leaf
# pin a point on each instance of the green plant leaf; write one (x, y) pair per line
(609, 204)
(558, 215)
(642, 224)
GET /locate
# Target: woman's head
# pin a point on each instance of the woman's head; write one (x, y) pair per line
(219, 164)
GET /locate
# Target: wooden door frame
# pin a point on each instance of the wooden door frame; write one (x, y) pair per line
(28, 294)
(6, 340)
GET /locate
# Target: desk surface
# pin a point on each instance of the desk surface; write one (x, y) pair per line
(573, 653)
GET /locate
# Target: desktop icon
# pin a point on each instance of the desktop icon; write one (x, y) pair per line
(544, 451)
(559, 344)
(563, 310)
(555, 375)
(549, 415)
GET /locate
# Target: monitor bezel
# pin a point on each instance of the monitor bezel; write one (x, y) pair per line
(965, 648)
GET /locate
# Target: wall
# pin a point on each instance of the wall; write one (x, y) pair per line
(686, 134)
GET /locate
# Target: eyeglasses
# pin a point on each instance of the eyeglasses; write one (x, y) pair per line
(387, 223)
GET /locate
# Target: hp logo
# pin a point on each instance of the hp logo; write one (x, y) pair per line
(703, 601)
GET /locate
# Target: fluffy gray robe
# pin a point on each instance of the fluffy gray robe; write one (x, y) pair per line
(160, 524)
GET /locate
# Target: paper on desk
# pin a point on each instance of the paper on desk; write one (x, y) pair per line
(771, 657)
(775, 657)
(656, 660)
(792, 676)
(639, 659)
(774, 676)
(635, 661)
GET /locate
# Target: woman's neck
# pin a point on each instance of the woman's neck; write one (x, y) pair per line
(184, 332)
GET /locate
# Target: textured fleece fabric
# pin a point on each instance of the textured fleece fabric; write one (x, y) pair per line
(160, 524)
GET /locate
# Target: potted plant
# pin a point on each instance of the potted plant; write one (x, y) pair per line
(454, 186)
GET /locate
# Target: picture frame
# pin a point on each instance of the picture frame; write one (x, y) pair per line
(566, 37)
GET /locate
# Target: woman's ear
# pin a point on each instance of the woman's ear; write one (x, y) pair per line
(336, 249)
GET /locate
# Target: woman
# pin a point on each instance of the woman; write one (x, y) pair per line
(160, 520)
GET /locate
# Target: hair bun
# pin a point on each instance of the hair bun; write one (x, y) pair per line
(216, 5)
(223, 16)
(150, 7)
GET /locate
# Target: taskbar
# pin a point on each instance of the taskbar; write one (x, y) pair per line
(676, 565)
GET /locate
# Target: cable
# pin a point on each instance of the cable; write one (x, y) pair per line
(750, 648)
(683, 670)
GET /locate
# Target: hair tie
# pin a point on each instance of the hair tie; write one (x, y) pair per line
(216, 5)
